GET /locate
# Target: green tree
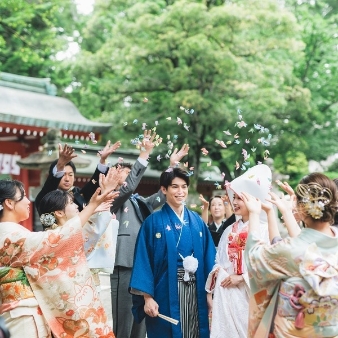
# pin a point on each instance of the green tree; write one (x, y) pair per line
(318, 72)
(32, 33)
(212, 58)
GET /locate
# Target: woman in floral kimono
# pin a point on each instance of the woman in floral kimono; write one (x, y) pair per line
(45, 282)
(228, 280)
(294, 282)
(57, 208)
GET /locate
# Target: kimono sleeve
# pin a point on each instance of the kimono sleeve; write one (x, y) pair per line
(268, 262)
(142, 278)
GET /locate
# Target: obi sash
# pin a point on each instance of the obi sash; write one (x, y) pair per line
(14, 287)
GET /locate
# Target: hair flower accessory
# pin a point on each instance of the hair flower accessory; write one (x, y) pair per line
(1, 207)
(47, 219)
(314, 198)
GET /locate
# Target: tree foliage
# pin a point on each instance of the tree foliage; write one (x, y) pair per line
(211, 57)
(31, 34)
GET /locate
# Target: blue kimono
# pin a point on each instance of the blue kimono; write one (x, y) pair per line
(156, 261)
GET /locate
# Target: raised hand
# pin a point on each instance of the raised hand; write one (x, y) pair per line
(148, 144)
(66, 154)
(177, 155)
(108, 150)
(204, 201)
(286, 187)
(109, 182)
(281, 203)
(253, 204)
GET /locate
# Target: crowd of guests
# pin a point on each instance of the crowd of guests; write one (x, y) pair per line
(175, 274)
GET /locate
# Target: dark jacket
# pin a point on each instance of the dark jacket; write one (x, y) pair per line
(81, 195)
(217, 234)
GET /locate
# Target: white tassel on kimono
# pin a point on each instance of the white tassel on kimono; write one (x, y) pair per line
(190, 265)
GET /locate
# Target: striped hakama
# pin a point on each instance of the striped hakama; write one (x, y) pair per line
(188, 305)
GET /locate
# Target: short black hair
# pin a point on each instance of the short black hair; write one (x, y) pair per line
(70, 163)
(123, 165)
(168, 176)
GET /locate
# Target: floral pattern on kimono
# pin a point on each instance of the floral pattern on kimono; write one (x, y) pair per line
(294, 285)
(58, 273)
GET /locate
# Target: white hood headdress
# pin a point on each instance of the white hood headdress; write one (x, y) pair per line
(256, 181)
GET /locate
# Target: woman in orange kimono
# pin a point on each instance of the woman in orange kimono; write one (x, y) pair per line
(45, 284)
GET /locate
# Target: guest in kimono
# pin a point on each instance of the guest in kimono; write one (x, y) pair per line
(173, 255)
(229, 280)
(57, 208)
(45, 283)
(222, 215)
(293, 282)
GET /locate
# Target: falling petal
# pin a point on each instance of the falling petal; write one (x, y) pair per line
(236, 136)
(153, 129)
(135, 121)
(168, 137)
(124, 184)
(243, 167)
(158, 199)
(191, 111)
(168, 118)
(204, 151)
(179, 121)
(191, 168)
(83, 151)
(202, 207)
(237, 165)
(175, 137)
(156, 123)
(237, 141)
(209, 164)
(186, 127)
(120, 160)
(207, 178)
(159, 158)
(93, 181)
(50, 152)
(169, 170)
(185, 164)
(247, 140)
(157, 137)
(193, 205)
(125, 123)
(145, 100)
(229, 142)
(251, 130)
(227, 132)
(125, 209)
(253, 149)
(126, 223)
(182, 108)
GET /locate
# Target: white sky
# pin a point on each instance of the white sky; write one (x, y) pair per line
(84, 6)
